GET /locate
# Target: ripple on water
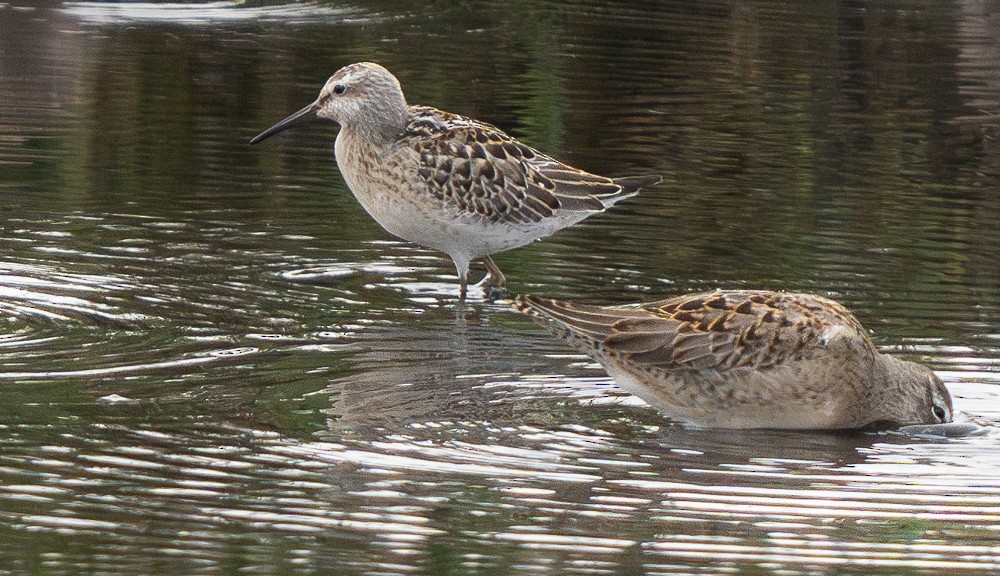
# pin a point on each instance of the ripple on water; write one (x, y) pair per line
(423, 277)
(95, 311)
(52, 317)
(505, 492)
(206, 13)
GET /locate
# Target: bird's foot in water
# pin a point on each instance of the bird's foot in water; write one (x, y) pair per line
(492, 290)
(494, 283)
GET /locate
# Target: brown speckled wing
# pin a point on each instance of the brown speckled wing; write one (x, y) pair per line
(481, 170)
(718, 331)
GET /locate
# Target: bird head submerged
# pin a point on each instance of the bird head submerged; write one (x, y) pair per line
(911, 394)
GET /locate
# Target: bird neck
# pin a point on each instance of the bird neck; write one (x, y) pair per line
(380, 127)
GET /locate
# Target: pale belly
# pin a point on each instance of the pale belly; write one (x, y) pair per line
(440, 229)
(766, 409)
(429, 222)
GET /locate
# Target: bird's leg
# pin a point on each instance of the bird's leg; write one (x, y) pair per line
(463, 287)
(462, 268)
(493, 285)
(497, 278)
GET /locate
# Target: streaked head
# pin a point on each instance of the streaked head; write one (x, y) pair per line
(940, 400)
(910, 394)
(362, 96)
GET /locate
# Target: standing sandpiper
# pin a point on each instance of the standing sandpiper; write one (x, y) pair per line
(750, 359)
(449, 182)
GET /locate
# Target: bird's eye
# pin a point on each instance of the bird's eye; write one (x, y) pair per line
(939, 412)
(339, 89)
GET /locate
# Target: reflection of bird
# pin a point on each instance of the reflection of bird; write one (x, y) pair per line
(445, 181)
(750, 359)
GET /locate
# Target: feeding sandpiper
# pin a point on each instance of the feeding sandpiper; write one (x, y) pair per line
(750, 359)
(448, 182)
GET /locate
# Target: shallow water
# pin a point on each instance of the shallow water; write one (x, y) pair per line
(213, 362)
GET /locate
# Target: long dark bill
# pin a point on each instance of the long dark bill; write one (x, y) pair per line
(301, 117)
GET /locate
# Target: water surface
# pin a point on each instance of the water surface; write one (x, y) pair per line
(213, 362)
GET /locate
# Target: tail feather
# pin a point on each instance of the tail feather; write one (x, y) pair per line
(592, 322)
(582, 191)
(631, 184)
